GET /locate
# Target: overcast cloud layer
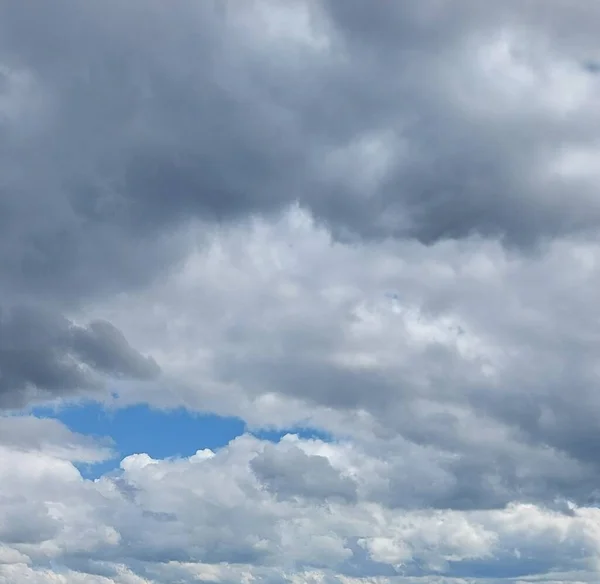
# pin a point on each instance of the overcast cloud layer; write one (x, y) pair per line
(377, 219)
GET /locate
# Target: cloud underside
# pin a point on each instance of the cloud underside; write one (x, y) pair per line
(380, 221)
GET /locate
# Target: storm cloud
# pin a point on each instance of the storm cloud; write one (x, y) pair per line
(433, 121)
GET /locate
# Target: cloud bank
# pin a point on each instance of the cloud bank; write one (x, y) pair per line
(377, 220)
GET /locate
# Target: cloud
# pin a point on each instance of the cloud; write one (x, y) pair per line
(377, 220)
(210, 113)
(182, 518)
(218, 115)
(293, 472)
(458, 348)
(42, 355)
(31, 434)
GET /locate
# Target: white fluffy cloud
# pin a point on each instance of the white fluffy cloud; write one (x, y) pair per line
(218, 517)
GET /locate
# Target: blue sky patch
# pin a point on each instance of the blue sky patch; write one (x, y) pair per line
(136, 429)
(159, 433)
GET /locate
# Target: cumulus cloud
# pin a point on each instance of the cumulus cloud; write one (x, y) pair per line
(379, 220)
(457, 349)
(183, 518)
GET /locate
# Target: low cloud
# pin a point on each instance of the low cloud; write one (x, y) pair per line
(43, 356)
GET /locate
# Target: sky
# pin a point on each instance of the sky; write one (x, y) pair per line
(299, 292)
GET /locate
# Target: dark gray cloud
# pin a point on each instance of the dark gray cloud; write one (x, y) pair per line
(128, 139)
(293, 473)
(45, 356)
(118, 137)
